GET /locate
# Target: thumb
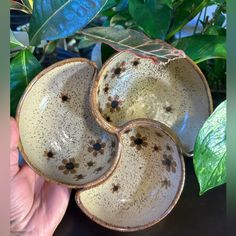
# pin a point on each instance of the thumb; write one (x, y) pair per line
(14, 154)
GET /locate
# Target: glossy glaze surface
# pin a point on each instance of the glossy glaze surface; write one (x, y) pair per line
(59, 137)
(175, 94)
(145, 185)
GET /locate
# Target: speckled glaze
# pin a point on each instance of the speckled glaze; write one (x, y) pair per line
(59, 138)
(176, 94)
(146, 183)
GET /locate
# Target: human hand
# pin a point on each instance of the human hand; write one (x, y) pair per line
(37, 206)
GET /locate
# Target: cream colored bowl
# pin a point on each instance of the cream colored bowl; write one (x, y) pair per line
(146, 184)
(59, 138)
(130, 87)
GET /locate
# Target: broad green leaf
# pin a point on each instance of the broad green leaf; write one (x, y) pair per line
(58, 19)
(29, 4)
(152, 16)
(210, 151)
(203, 47)
(19, 7)
(14, 43)
(185, 12)
(24, 66)
(137, 42)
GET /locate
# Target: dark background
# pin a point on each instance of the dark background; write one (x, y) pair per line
(193, 215)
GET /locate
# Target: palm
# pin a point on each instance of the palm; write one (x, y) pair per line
(37, 206)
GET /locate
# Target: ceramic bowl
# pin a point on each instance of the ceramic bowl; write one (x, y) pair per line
(59, 138)
(130, 87)
(146, 183)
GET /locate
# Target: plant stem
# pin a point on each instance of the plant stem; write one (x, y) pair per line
(198, 19)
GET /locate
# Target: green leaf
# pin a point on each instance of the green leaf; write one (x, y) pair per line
(14, 43)
(122, 18)
(50, 47)
(29, 4)
(19, 7)
(210, 151)
(24, 66)
(185, 12)
(135, 41)
(58, 19)
(153, 16)
(203, 47)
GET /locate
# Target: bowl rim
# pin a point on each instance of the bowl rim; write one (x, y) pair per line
(113, 128)
(20, 145)
(130, 124)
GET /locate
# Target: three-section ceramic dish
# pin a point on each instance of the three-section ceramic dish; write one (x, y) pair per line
(119, 135)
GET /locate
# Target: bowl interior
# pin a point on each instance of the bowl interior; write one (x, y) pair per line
(145, 185)
(175, 94)
(59, 137)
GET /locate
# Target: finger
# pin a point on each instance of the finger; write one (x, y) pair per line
(56, 198)
(14, 154)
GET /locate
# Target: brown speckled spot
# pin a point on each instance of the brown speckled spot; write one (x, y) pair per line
(69, 166)
(168, 109)
(98, 169)
(79, 177)
(106, 89)
(107, 118)
(96, 147)
(138, 141)
(169, 148)
(118, 69)
(156, 148)
(90, 164)
(65, 97)
(165, 183)
(136, 62)
(114, 103)
(49, 154)
(159, 135)
(169, 163)
(115, 188)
